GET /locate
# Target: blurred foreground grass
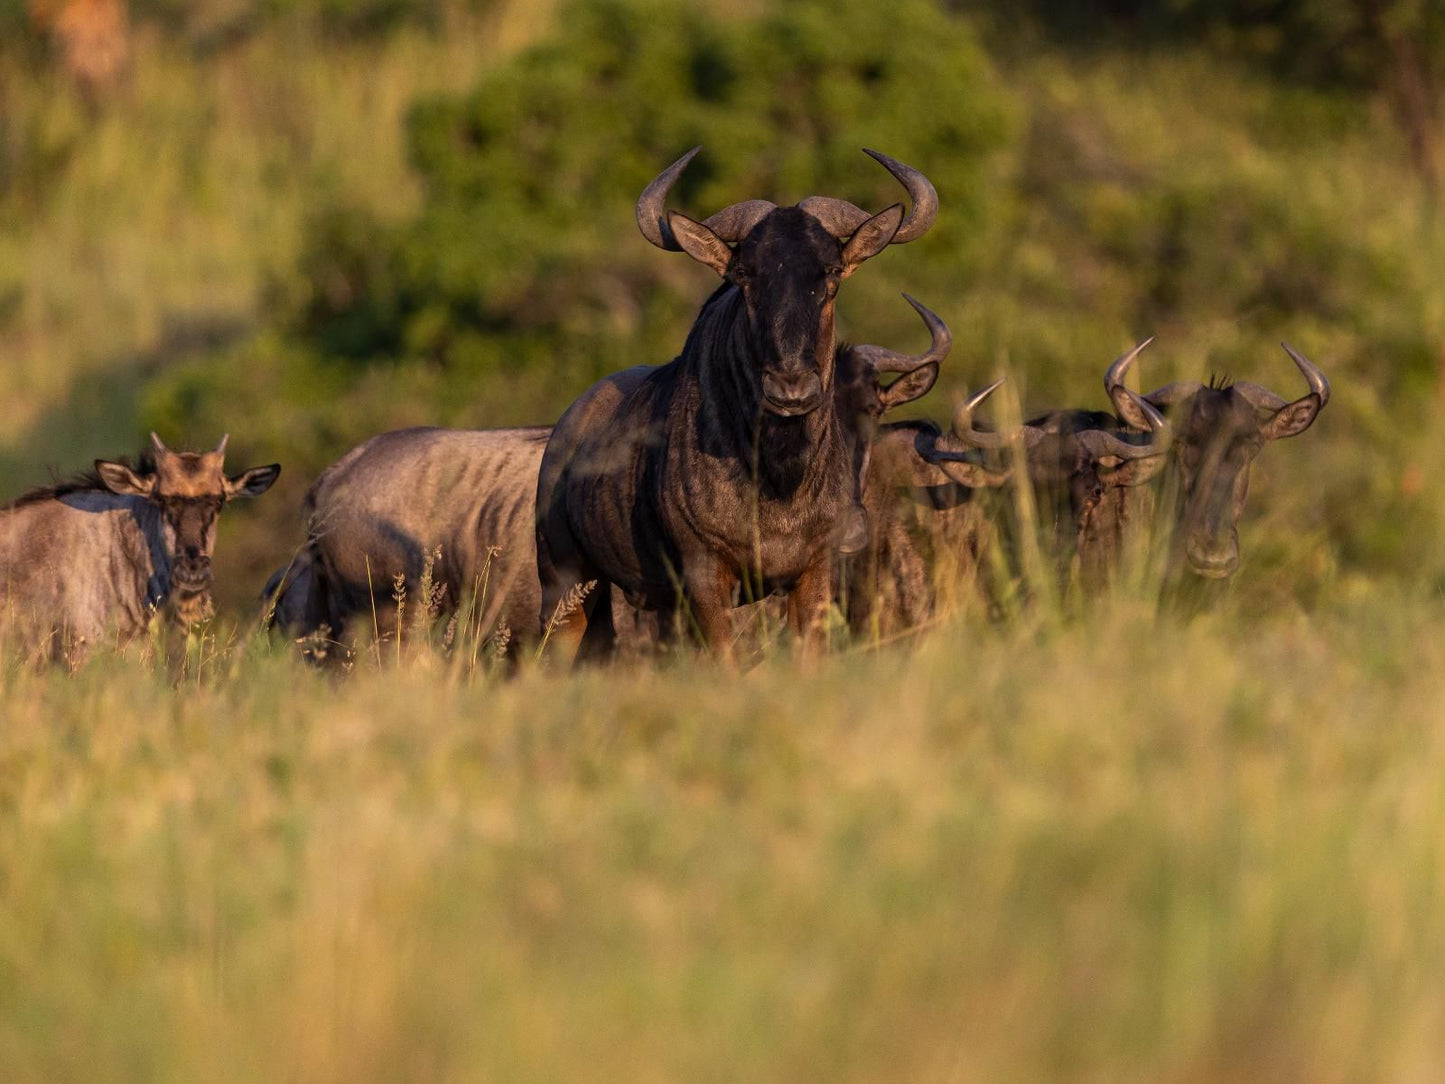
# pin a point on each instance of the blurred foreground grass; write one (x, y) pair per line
(1107, 850)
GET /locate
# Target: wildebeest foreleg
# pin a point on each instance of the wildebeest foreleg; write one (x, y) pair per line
(710, 589)
(808, 604)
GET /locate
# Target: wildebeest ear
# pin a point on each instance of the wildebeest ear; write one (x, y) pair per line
(699, 242)
(871, 238)
(1292, 419)
(118, 478)
(910, 386)
(253, 482)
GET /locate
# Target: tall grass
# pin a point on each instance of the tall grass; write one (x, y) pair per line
(1113, 848)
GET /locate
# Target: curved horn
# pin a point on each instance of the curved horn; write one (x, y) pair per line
(157, 444)
(1268, 400)
(964, 433)
(1316, 379)
(652, 204)
(1167, 395)
(920, 191)
(1100, 442)
(730, 224)
(841, 218)
(736, 221)
(1114, 377)
(221, 448)
(882, 360)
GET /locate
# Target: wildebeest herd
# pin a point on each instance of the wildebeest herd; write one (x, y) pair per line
(753, 466)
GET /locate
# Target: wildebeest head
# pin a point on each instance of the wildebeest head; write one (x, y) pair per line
(788, 262)
(862, 396)
(861, 399)
(1088, 452)
(189, 489)
(1220, 427)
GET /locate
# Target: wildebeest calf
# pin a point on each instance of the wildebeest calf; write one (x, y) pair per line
(98, 556)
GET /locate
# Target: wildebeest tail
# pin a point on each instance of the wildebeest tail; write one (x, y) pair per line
(292, 598)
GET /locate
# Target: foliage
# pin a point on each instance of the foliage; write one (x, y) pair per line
(525, 248)
(280, 264)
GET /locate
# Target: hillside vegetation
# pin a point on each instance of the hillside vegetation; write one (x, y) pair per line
(1099, 843)
(308, 236)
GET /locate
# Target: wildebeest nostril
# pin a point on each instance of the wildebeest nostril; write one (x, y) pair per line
(793, 392)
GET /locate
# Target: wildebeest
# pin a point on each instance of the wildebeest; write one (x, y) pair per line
(1088, 470)
(932, 522)
(469, 497)
(1219, 428)
(101, 554)
(392, 502)
(925, 498)
(716, 475)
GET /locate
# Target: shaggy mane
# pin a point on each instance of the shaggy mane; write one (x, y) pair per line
(84, 482)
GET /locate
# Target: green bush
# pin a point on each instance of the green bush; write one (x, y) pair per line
(523, 277)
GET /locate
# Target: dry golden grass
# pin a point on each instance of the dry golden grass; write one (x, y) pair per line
(1113, 848)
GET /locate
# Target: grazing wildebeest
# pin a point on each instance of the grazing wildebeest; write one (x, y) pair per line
(716, 475)
(1088, 472)
(1219, 429)
(470, 496)
(389, 504)
(927, 518)
(101, 554)
(932, 525)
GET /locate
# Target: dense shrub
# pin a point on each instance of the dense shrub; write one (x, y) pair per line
(527, 234)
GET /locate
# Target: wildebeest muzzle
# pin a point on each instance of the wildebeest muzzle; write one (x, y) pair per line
(191, 574)
(1213, 556)
(792, 394)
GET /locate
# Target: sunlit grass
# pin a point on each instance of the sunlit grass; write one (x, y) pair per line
(1079, 849)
